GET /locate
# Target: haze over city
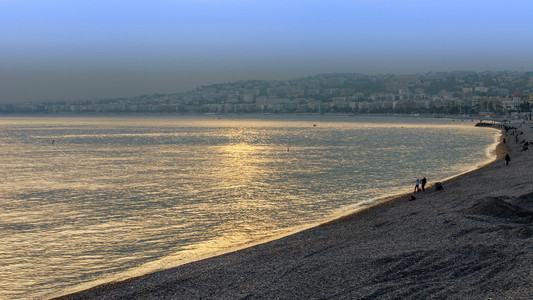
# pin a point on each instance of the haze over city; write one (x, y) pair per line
(54, 50)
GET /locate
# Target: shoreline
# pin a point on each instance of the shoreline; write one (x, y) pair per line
(213, 280)
(499, 152)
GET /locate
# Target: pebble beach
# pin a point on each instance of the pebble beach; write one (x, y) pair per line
(471, 240)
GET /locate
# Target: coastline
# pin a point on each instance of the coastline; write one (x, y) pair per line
(394, 248)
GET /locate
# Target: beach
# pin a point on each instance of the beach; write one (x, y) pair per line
(471, 240)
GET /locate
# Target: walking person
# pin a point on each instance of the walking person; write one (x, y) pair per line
(424, 181)
(507, 159)
(417, 183)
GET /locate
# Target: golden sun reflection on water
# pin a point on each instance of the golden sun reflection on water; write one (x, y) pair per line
(239, 164)
(240, 173)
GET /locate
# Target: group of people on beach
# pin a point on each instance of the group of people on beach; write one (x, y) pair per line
(516, 133)
(420, 185)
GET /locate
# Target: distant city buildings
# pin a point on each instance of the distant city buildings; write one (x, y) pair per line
(467, 93)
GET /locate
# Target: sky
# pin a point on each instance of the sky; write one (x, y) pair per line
(93, 49)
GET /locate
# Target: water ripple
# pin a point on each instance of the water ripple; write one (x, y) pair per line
(128, 195)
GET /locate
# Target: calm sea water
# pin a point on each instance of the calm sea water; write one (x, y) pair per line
(91, 199)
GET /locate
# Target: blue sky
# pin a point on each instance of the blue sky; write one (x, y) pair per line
(69, 49)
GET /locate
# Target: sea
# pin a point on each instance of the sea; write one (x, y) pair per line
(86, 200)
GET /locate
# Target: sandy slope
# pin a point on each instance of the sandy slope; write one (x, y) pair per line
(474, 240)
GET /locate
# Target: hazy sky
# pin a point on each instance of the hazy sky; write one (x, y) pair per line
(78, 49)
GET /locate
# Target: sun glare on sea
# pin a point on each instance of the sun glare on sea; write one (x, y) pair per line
(239, 166)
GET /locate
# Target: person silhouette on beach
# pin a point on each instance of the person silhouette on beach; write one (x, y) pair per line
(423, 181)
(417, 183)
(507, 159)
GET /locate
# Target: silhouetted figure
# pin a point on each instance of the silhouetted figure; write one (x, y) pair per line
(507, 159)
(424, 181)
